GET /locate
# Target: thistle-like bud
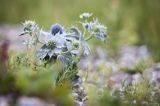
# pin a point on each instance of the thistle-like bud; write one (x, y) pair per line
(56, 28)
(85, 15)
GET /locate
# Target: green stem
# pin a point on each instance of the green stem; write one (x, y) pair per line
(84, 29)
(88, 38)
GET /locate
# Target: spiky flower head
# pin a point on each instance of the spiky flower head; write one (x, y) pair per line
(29, 27)
(85, 15)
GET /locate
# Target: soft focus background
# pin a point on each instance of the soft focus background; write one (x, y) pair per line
(129, 21)
(131, 55)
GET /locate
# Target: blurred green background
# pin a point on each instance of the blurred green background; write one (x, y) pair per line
(128, 21)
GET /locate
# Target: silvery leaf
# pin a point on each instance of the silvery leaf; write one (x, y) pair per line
(76, 32)
(42, 53)
(57, 51)
(51, 53)
(101, 36)
(86, 49)
(44, 36)
(66, 59)
(75, 52)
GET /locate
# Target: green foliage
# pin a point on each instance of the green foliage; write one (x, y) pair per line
(142, 94)
(7, 84)
(139, 67)
(30, 79)
(23, 77)
(108, 100)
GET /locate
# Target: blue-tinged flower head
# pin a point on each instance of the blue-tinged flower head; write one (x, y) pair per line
(56, 28)
(97, 29)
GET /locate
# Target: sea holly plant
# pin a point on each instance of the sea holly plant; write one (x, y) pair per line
(66, 45)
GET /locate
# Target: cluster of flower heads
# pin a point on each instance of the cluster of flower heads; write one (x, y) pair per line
(61, 44)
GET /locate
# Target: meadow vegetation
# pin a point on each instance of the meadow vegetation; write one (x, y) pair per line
(68, 75)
